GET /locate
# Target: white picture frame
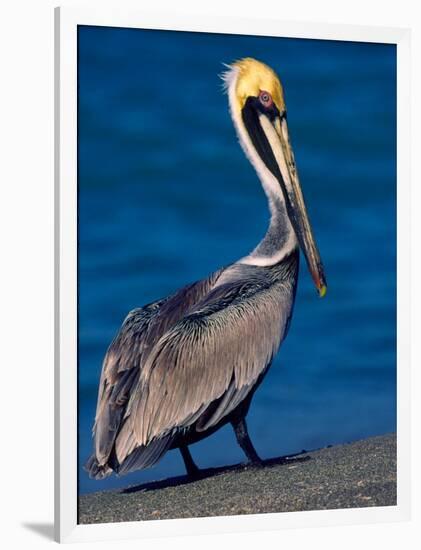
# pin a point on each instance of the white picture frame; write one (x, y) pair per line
(66, 23)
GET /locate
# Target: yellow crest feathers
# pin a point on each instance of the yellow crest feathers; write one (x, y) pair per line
(254, 77)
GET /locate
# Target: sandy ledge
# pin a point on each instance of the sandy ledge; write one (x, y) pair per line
(354, 475)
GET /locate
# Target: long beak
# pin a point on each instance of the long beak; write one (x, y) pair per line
(271, 140)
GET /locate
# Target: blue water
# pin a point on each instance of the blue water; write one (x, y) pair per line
(166, 196)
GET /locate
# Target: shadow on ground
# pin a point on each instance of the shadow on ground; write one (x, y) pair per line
(211, 472)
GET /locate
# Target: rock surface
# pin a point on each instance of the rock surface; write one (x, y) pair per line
(354, 475)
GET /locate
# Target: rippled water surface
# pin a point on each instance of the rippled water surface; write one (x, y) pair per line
(166, 196)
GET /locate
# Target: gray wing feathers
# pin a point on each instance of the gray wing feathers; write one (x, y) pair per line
(124, 362)
(190, 359)
(145, 457)
(232, 398)
(203, 356)
(119, 374)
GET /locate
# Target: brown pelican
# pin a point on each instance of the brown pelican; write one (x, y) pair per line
(183, 366)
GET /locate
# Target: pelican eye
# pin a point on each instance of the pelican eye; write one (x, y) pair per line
(265, 99)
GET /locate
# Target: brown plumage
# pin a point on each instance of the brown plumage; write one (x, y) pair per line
(180, 366)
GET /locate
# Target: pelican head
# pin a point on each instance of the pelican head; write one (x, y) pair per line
(258, 110)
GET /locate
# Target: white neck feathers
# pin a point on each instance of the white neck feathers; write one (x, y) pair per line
(280, 238)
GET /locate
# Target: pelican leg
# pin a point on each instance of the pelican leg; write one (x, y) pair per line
(192, 469)
(243, 438)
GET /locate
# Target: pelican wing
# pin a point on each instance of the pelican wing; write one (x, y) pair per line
(120, 371)
(206, 364)
(124, 361)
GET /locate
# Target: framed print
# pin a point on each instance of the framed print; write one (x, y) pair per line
(232, 272)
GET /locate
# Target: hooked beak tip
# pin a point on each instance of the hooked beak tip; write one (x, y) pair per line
(322, 291)
(318, 277)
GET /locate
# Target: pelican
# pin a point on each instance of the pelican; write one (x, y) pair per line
(184, 366)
